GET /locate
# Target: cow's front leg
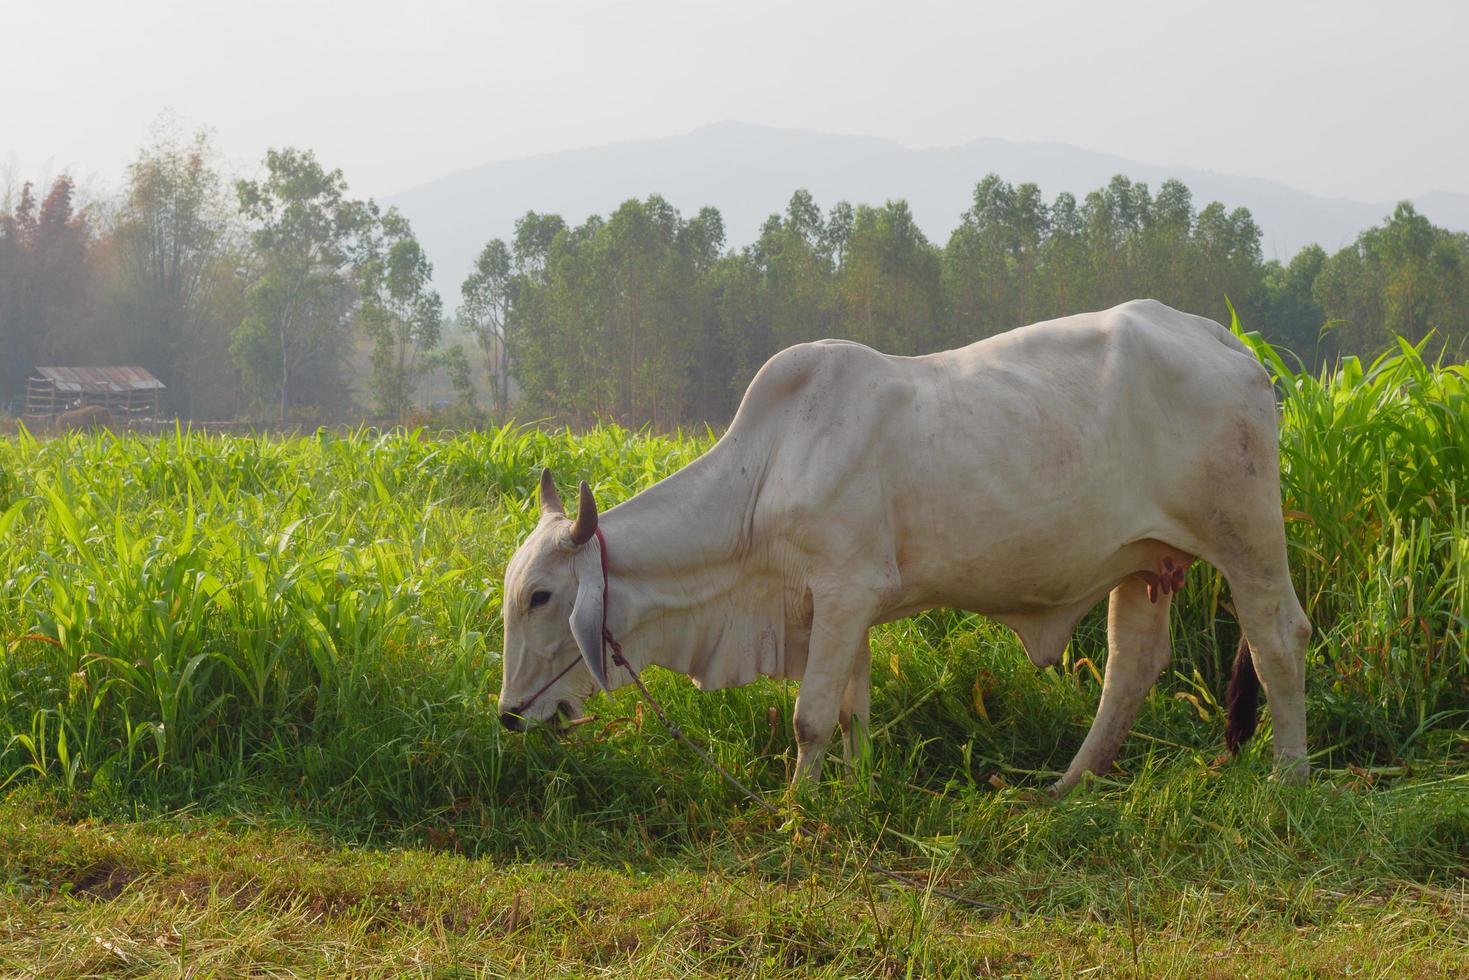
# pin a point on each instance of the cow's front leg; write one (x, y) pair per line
(837, 631)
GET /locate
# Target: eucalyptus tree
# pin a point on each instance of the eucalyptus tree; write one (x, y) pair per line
(794, 254)
(838, 231)
(1167, 262)
(401, 313)
(698, 250)
(890, 285)
(978, 264)
(1229, 260)
(1289, 311)
(1403, 277)
(534, 235)
(741, 311)
(1423, 275)
(177, 255)
(1116, 218)
(1032, 224)
(534, 347)
(307, 236)
(487, 301)
(1066, 279)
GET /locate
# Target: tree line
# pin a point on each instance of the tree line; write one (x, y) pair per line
(643, 315)
(245, 298)
(284, 296)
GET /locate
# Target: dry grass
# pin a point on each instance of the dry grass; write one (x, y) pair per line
(189, 896)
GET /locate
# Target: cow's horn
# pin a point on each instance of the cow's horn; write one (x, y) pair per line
(586, 517)
(550, 499)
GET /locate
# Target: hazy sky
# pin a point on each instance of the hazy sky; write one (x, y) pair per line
(1366, 100)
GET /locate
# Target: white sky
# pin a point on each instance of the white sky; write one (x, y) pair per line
(1360, 99)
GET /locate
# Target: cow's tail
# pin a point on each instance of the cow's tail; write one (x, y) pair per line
(1242, 700)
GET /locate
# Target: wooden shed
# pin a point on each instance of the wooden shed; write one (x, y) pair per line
(126, 392)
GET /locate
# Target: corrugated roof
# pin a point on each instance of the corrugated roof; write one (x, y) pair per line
(99, 380)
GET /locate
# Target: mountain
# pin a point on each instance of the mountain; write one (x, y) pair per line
(748, 172)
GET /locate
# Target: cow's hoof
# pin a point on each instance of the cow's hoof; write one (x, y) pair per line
(1291, 772)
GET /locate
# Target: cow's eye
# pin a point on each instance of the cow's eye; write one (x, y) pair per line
(539, 598)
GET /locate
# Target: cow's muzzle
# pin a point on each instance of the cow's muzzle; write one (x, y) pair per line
(559, 721)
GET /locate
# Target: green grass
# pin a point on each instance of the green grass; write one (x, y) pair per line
(247, 691)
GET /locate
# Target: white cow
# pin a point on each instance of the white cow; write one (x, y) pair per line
(1023, 477)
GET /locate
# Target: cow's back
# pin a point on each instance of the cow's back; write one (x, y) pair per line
(1083, 432)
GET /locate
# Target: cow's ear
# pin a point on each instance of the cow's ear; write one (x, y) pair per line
(587, 613)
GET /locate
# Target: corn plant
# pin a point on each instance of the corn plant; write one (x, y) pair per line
(187, 613)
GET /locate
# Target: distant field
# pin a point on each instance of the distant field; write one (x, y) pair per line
(247, 703)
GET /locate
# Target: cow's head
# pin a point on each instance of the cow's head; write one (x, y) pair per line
(553, 616)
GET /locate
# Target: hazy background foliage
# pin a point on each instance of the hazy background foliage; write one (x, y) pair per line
(282, 296)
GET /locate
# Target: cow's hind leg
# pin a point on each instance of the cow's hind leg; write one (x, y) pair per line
(1278, 632)
(856, 712)
(1244, 537)
(1137, 652)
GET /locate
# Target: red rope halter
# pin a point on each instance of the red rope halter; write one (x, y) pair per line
(607, 640)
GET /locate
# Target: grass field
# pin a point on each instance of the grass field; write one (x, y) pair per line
(247, 700)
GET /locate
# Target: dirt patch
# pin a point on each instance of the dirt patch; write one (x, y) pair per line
(103, 881)
(192, 889)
